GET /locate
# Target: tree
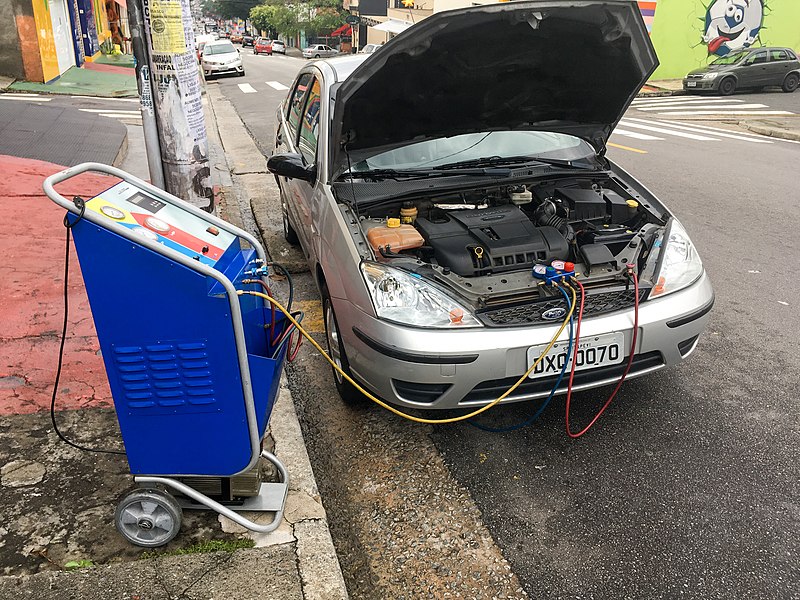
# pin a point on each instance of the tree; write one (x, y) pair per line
(263, 18)
(230, 9)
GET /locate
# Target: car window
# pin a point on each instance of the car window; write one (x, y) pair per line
(757, 58)
(778, 55)
(309, 125)
(218, 49)
(296, 103)
(791, 55)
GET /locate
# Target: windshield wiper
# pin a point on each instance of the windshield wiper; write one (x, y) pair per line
(517, 161)
(425, 173)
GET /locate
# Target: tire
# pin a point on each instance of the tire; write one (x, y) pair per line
(790, 83)
(347, 391)
(241, 74)
(727, 86)
(316, 56)
(148, 518)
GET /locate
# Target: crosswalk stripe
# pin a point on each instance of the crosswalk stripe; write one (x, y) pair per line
(705, 107)
(668, 99)
(247, 88)
(685, 100)
(277, 85)
(638, 136)
(690, 136)
(103, 99)
(713, 130)
(121, 117)
(108, 110)
(729, 112)
(25, 98)
(717, 132)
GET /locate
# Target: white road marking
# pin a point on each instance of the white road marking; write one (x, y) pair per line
(247, 88)
(705, 107)
(717, 132)
(103, 98)
(704, 128)
(25, 98)
(638, 136)
(753, 113)
(277, 85)
(110, 111)
(691, 136)
(683, 100)
(122, 117)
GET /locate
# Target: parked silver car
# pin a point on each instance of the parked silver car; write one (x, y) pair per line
(220, 58)
(425, 203)
(278, 47)
(319, 51)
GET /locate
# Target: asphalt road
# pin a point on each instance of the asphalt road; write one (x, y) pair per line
(688, 486)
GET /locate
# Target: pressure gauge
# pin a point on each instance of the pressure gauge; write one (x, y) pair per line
(145, 233)
(156, 224)
(112, 212)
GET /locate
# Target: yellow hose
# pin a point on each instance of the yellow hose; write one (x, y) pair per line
(390, 408)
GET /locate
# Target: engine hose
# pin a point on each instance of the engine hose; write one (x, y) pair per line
(631, 273)
(392, 409)
(538, 413)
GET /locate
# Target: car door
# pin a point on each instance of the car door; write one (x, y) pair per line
(295, 192)
(753, 72)
(778, 66)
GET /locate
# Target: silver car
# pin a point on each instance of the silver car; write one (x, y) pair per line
(319, 51)
(220, 58)
(431, 185)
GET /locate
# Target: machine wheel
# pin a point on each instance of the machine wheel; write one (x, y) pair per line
(148, 517)
(790, 83)
(346, 390)
(727, 86)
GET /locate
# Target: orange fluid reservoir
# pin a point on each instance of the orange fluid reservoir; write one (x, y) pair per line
(403, 237)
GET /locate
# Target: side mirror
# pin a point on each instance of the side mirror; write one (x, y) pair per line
(291, 165)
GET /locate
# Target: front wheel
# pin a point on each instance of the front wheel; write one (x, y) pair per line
(316, 56)
(727, 86)
(347, 391)
(790, 83)
(148, 517)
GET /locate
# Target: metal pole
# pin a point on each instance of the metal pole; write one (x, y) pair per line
(149, 124)
(175, 77)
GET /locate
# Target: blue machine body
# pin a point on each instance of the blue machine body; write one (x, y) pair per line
(169, 339)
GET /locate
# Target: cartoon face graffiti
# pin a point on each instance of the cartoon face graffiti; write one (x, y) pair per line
(732, 25)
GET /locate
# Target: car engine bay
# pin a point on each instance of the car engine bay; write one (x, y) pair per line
(484, 242)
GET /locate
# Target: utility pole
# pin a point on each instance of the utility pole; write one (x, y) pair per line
(167, 49)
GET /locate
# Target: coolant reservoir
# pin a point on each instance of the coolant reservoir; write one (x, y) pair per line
(396, 236)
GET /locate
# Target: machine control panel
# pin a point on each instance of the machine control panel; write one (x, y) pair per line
(161, 222)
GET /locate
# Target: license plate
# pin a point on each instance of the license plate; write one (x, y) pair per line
(594, 351)
(691, 84)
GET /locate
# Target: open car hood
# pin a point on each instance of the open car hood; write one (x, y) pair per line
(567, 66)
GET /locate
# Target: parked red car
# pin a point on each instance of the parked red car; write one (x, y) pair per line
(263, 46)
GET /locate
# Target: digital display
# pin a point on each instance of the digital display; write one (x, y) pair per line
(146, 202)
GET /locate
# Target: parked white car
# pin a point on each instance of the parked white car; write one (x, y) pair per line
(278, 47)
(369, 48)
(319, 51)
(220, 58)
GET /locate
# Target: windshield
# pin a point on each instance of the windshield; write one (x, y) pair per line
(730, 58)
(219, 49)
(472, 146)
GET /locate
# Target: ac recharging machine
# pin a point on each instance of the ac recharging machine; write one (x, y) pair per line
(193, 367)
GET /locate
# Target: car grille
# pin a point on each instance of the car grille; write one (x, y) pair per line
(694, 76)
(531, 314)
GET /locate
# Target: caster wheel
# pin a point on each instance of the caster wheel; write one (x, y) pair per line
(148, 518)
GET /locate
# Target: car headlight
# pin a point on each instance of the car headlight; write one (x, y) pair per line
(680, 264)
(410, 300)
(710, 75)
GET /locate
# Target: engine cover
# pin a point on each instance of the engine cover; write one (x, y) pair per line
(491, 240)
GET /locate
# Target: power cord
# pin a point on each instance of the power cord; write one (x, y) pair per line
(80, 204)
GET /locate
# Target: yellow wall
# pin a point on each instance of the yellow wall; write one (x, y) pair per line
(101, 21)
(47, 44)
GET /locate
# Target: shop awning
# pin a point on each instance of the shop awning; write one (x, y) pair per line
(393, 26)
(343, 30)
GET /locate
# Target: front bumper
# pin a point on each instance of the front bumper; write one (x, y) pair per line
(446, 369)
(700, 85)
(211, 69)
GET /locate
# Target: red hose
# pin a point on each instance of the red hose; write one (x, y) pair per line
(627, 367)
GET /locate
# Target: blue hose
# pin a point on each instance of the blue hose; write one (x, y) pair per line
(552, 392)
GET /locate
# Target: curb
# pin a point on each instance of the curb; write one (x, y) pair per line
(305, 521)
(661, 93)
(775, 132)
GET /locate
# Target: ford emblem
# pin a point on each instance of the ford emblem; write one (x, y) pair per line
(551, 314)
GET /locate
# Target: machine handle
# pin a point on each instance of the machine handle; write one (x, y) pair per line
(49, 189)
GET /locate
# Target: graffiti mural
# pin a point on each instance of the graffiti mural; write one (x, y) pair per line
(732, 25)
(648, 10)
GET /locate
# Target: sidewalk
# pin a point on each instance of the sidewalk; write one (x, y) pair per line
(86, 81)
(58, 502)
(664, 87)
(787, 128)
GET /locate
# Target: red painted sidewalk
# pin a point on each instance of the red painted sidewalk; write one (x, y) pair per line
(32, 300)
